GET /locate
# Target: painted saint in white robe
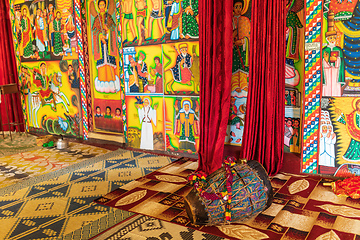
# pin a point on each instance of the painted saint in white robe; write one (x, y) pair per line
(147, 117)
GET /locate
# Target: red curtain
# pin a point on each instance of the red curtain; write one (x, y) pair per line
(215, 30)
(265, 113)
(8, 68)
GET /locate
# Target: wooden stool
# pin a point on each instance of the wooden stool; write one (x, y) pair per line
(10, 89)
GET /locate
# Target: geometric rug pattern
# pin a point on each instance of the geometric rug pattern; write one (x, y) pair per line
(141, 227)
(62, 202)
(17, 167)
(302, 208)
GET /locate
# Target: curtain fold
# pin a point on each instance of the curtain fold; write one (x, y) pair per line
(265, 113)
(8, 68)
(215, 30)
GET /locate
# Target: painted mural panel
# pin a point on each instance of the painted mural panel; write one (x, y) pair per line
(339, 151)
(294, 74)
(146, 122)
(240, 70)
(340, 52)
(45, 30)
(149, 22)
(51, 100)
(182, 124)
(143, 68)
(104, 66)
(181, 68)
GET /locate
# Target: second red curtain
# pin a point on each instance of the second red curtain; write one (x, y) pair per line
(215, 29)
(264, 124)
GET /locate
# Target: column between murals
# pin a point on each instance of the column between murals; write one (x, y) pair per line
(312, 86)
(83, 90)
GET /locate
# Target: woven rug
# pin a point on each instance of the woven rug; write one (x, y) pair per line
(302, 209)
(59, 205)
(17, 167)
(19, 143)
(142, 227)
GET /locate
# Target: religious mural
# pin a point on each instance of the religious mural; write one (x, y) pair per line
(240, 70)
(45, 30)
(293, 74)
(160, 58)
(340, 51)
(181, 68)
(151, 22)
(182, 124)
(339, 150)
(143, 69)
(51, 99)
(104, 66)
(46, 50)
(146, 127)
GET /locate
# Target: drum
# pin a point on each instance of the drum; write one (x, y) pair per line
(251, 194)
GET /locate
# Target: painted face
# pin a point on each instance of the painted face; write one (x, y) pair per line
(24, 12)
(117, 112)
(329, 128)
(43, 68)
(237, 8)
(58, 15)
(324, 128)
(98, 110)
(102, 6)
(186, 107)
(71, 68)
(288, 123)
(296, 123)
(156, 61)
(108, 111)
(183, 50)
(332, 39)
(38, 12)
(146, 102)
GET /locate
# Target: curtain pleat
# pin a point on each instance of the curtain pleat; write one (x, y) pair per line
(215, 26)
(8, 68)
(264, 124)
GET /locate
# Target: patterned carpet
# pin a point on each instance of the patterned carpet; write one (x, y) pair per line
(141, 227)
(24, 165)
(59, 205)
(302, 209)
(19, 143)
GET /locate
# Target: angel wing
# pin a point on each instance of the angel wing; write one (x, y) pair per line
(93, 11)
(111, 7)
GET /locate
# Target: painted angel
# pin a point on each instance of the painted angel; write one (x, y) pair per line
(104, 45)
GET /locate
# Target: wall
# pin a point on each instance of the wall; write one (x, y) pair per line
(294, 74)
(47, 55)
(240, 71)
(161, 74)
(335, 128)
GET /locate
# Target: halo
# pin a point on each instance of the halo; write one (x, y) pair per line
(245, 7)
(97, 7)
(27, 9)
(354, 103)
(184, 100)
